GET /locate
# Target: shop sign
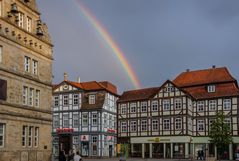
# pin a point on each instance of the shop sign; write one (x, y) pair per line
(64, 130)
(109, 138)
(111, 130)
(154, 139)
(84, 138)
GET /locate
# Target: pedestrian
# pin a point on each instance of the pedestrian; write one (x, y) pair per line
(198, 157)
(62, 156)
(77, 157)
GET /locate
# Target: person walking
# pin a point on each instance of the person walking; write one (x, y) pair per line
(62, 156)
(77, 157)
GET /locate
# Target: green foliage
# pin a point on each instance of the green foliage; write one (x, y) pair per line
(219, 132)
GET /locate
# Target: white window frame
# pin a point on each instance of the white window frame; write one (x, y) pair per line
(105, 120)
(227, 104)
(24, 136)
(123, 108)
(75, 120)
(75, 99)
(65, 100)
(212, 105)
(25, 95)
(27, 61)
(166, 124)
(211, 88)
(200, 125)
(31, 95)
(178, 103)
(30, 132)
(2, 135)
(178, 123)
(85, 121)
(75, 140)
(200, 106)
(123, 126)
(228, 122)
(36, 137)
(29, 24)
(21, 19)
(132, 107)
(155, 125)
(154, 106)
(34, 67)
(91, 99)
(94, 139)
(166, 104)
(37, 98)
(133, 126)
(56, 121)
(144, 125)
(94, 119)
(56, 101)
(65, 118)
(144, 106)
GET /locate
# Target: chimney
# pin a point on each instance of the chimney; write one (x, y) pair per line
(187, 70)
(65, 76)
(78, 79)
(214, 66)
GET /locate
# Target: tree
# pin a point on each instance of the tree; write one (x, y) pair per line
(219, 133)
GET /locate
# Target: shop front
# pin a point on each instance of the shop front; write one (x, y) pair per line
(84, 145)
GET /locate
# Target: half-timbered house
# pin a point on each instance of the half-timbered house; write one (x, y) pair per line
(84, 118)
(173, 120)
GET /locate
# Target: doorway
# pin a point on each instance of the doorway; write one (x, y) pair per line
(85, 149)
(65, 143)
(110, 151)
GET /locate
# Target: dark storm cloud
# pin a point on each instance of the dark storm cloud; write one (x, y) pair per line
(161, 38)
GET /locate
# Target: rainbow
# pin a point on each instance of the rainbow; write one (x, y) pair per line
(111, 43)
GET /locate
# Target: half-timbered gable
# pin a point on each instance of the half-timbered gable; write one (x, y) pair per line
(86, 113)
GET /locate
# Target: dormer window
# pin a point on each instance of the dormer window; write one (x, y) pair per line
(91, 99)
(211, 88)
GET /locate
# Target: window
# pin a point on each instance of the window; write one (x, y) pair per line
(105, 120)
(91, 99)
(155, 106)
(24, 136)
(200, 125)
(178, 103)
(0, 46)
(31, 93)
(65, 100)
(166, 104)
(84, 119)
(143, 125)
(94, 139)
(178, 124)
(227, 104)
(155, 125)
(56, 121)
(37, 98)
(133, 126)
(133, 108)
(36, 137)
(94, 119)
(65, 120)
(210, 123)
(212, 105)
(29, 24)
(27, 64)
(166, 124)
(30, 136)
(24, 95)
(20, 19)
(228, 122)
(169, 89)
(211, 88)
(2, 135)
(123, 127)
(75, 139)
(110, 121)
(200, 106)
(56, 101)
(123, 109)
(75, 120)
(34, 67)
(143, 106)
(75, 99)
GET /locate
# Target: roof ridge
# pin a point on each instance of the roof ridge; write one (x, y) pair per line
(141, 89)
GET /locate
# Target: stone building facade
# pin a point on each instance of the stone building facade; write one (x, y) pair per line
(25, 83)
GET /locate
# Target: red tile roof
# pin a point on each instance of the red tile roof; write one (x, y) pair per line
(141, 94)
(222, 90)
(200, 77)
(93, 86)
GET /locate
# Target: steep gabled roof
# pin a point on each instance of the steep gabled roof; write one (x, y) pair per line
(202, 77)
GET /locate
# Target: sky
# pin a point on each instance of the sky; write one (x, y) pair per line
(159, 38)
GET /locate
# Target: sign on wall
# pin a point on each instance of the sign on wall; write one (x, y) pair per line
(84, 138)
